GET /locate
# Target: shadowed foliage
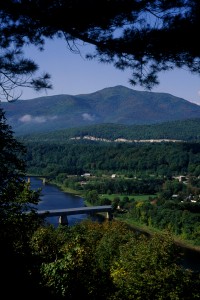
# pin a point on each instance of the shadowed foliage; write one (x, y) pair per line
(146, 37)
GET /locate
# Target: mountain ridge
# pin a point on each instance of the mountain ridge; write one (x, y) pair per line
(117, 105)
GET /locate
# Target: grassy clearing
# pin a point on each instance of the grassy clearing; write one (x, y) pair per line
(121, 196)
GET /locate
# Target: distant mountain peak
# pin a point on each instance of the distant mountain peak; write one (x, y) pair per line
(117, 105)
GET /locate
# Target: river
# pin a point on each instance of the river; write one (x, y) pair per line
(53, 198)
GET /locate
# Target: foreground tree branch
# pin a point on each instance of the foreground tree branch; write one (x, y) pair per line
(146, 37)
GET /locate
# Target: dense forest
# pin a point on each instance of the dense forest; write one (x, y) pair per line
(77, 157)
(182, 130)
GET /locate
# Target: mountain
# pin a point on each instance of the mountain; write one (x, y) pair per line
(117, 105)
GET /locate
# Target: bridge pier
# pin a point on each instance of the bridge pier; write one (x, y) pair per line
(63, 220)
(109, 215)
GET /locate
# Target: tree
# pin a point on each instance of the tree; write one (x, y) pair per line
(13, 167)
(146, 36)
(149, 269)
(92, 196)
(16, 227)
(109, 261)
(72, 271)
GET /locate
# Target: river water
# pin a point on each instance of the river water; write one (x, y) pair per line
(53, 198)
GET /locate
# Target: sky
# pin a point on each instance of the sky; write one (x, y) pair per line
(72, 74)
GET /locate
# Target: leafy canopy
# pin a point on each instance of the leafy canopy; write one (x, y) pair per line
(16, 227)
(15, 193)
(109, 261)
(146, 37)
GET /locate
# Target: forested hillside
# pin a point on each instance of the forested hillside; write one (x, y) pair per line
(77, 157)
(185, 130)
(117, 105)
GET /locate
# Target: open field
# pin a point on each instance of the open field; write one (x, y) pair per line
(121, 196)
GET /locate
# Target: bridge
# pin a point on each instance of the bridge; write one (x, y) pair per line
(63, 213)
(42, 177)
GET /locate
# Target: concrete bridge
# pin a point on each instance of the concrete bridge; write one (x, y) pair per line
(63, 213)
(43, 178)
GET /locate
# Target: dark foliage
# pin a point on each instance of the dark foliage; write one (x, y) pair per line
(16, 226)
(145, 36)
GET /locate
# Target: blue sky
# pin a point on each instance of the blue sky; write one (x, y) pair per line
(73, 75)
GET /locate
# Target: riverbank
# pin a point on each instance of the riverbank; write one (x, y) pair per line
(66, 190)
(151, 231)
(132, 223)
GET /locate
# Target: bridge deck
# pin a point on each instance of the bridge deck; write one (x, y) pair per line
(74, 211)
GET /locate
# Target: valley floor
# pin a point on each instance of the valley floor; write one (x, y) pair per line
(135, 225)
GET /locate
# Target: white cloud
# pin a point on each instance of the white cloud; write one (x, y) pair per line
(37, 119)
(25, 118)
(88, 117)
(198, 93)
(53, 117)
(41, 119)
